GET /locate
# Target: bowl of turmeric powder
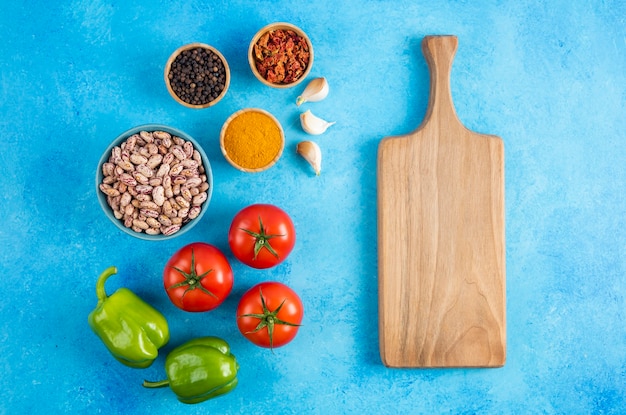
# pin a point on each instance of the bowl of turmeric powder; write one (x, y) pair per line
(252, 140)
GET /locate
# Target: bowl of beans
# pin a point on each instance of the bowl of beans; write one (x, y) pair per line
(280, 55)
(197, 75)
(154, 182)
(252, 140)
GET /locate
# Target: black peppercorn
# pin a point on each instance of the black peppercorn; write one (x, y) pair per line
(197, 76)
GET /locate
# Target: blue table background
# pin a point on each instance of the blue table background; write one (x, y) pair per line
(550, 79)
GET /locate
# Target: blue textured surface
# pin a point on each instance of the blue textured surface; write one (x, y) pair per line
(550, 79)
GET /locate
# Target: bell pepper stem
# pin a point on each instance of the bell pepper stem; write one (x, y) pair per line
(100, 290)
(157, 384)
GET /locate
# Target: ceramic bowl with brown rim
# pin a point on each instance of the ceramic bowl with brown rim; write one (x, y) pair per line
(280, 55)
(197, 75)
(252, 140)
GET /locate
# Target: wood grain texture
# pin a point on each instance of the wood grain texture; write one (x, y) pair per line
(441, 239)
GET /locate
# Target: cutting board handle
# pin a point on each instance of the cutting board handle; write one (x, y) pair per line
(439, 52)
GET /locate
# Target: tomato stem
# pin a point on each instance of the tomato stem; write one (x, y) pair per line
(268, 319)
(261, 239)
(192, 279)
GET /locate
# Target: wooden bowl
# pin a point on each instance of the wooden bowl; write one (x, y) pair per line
(168, 67)
(249, 144)
(252, 59)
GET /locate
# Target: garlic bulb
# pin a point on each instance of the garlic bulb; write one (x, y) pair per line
(313, 124)
(315, 91)
(311, 152)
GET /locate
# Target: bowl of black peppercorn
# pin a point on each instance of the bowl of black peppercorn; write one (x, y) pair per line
(197, 75)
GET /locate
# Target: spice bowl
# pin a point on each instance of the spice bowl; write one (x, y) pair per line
(297, 59)
(154, 182)
(252, 140)
(197, 75)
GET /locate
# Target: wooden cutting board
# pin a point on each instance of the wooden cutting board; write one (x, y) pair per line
(441, 241)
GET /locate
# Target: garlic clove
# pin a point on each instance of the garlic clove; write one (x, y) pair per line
(313, 124)
(315, 91)
(311, 152)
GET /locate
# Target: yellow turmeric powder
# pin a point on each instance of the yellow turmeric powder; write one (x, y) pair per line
(252, 140)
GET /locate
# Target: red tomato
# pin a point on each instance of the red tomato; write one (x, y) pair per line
(261, 235)
(269, 314)
(198, 277)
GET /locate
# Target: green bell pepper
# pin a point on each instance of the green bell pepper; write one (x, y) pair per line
(130, 328)
(199, 370)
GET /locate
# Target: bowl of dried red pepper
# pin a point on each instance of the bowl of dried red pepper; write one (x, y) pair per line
(280, 55)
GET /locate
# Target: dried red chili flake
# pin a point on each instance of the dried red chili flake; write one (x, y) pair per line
(281, 56)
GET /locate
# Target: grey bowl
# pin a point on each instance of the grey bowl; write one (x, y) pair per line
(102, 198)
